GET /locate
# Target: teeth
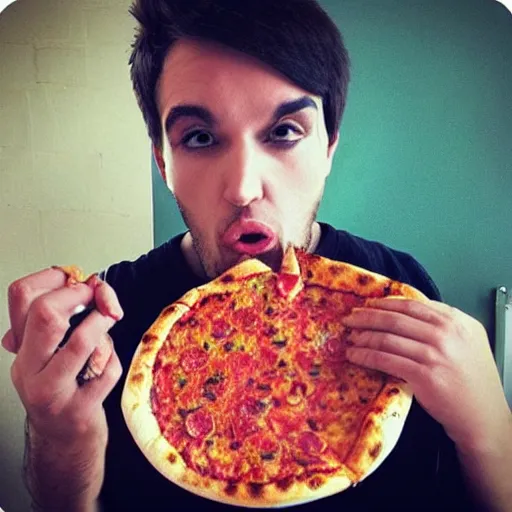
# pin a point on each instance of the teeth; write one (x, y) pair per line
(252, 238)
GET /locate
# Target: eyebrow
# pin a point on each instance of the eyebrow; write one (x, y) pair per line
(290, 107)
(181, 111)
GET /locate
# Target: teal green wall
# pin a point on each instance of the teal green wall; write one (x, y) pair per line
(425, 156)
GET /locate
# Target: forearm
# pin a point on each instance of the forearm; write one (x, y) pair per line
(63, 478)
(488, 472)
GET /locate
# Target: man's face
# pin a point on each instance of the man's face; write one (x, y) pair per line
(246, 154)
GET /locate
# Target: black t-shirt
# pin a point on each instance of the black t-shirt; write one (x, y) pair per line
(421, 473)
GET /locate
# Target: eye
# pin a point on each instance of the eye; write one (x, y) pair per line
(286, 133)
(198, 139)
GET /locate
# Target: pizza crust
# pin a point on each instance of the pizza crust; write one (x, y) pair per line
(351, 278)
(381, 429)
(171, 465)
(136, 397)
(225, 283)
(73, 273)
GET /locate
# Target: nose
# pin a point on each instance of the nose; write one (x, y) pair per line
(243, 174)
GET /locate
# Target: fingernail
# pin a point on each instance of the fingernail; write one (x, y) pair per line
(116, 312)
(353, 354)
(93, 281)
(353, 337)
(347, 319)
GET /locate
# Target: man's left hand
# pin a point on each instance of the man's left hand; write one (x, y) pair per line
(445, 356)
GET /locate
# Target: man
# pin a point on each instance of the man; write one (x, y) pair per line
(243, 103)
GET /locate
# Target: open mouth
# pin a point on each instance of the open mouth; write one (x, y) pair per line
(250, 237)
(253, 243)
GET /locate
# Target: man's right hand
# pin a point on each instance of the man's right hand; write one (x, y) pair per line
(60, 412)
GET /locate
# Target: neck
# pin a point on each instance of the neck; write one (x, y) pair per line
(191, 256)
(316, 232)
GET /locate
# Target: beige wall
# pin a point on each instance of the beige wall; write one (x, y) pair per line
(75, 181)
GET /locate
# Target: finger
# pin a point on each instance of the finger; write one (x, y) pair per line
(105, 298)
(393, 344)
(98, 360)
(67, 363)
(22, 293)
(8, 342)
(47, 323)
(391, 322)
(431, 312)
(96, 390)
(397, 366)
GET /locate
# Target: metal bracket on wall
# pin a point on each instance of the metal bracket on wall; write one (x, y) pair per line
(503, 345)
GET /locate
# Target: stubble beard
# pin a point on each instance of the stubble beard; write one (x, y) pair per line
(273, 259)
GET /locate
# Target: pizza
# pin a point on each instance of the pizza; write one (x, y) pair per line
(240, 391)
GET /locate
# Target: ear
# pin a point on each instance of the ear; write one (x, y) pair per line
(331, 149)
(159, 159)
(164, 172)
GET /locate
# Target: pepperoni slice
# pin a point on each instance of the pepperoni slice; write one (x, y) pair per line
(221, 329)
(247, 319)
(334, 348)
(241, 365)
(244, 426)
(199, 424)
(286, 283)
(193, 359)
(311, 444)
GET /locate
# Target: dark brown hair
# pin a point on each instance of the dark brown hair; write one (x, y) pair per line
(295, 37)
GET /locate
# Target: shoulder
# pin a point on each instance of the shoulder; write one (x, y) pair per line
(137, 271)
(157, 277)
(377, 257)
